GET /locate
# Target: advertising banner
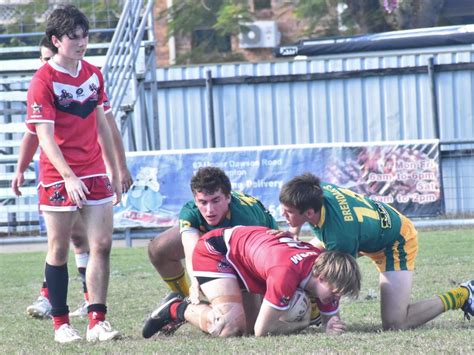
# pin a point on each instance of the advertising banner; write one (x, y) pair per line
(404, 174)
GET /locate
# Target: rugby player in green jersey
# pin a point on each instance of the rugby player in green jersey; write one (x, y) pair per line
(214, 206)
(349, 222)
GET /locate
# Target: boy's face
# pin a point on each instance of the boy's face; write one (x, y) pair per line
(213, 207)
(72, 48)
(293, 217)
(46, 54)
(324, 291)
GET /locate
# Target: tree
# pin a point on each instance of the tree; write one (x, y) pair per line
(208, 25)
(337, 17)
(30, 17)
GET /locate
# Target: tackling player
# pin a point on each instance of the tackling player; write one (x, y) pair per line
(248, 257)
(65, 108)
(214, 206)
(355, 224)
(41, 308)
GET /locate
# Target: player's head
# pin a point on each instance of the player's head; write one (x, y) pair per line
(339, 271)
(211, 189)
(66, 23)
(301, 194)
(46, 49)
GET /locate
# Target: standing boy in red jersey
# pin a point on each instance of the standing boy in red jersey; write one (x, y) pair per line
(65, 103)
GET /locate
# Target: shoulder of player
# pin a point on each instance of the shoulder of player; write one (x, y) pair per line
(86, 64)
(236, 198)
(189, 209)
(88, 67)
(43, 74)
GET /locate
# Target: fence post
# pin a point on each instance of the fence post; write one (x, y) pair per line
(434, 108)
(210, 109)
(434, 97)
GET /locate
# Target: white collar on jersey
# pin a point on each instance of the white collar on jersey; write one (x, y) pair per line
(61, 69)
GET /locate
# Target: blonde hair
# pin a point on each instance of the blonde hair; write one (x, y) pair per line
(340, 270)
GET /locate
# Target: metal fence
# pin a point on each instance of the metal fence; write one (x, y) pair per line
(371, 97)
(27, 17)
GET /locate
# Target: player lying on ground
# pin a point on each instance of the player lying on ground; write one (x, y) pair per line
(355, 224)
(215, 205)
(248, 257)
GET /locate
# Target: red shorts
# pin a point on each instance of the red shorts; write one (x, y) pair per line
(55, 197)
(209, 258)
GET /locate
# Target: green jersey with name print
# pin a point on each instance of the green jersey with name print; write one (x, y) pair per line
(353, 223)
(244, 210)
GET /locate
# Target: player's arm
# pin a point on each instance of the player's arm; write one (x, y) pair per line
(119, 151)
(105, 141)
(75, 188)
(330, 319)
(269, 323)
(189, 239)
(28, 147)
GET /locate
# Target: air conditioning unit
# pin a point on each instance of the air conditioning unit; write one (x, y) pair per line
(259, 34)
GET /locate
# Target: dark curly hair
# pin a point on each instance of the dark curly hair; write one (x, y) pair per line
(209, 180)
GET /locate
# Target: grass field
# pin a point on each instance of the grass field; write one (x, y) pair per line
(445, 260)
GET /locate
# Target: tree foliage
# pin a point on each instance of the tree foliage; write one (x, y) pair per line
(221, 15)
(338, 17)
(31, 17)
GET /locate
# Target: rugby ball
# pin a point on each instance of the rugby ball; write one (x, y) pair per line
(298, 307)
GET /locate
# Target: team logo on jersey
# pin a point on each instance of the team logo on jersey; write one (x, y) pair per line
(65, 98)
(57, 197)
(223, 265)
(36, 108)
(108, 185)
(284, 300)
(79, 92)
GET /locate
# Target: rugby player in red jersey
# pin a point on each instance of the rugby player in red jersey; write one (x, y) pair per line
(225, 261)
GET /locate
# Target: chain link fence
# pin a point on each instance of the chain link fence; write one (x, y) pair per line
(29, 17)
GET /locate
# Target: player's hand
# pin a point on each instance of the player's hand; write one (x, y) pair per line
(125, 179)
(194, 291)
(117, 187)
(335, 325)
(76, 190)
(17, 181)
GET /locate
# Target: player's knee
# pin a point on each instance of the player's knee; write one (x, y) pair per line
(78, 241)
(156, 251)
(57, 255)
(101, 247)
(225, 320)
(394, 323)
(161, 249)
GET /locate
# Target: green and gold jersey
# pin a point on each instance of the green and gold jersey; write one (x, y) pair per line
(244, 210)
(353, 223)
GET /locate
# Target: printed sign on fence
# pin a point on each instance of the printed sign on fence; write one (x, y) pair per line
(403, 174)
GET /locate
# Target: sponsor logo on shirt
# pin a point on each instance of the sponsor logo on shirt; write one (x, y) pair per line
(65, 98)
